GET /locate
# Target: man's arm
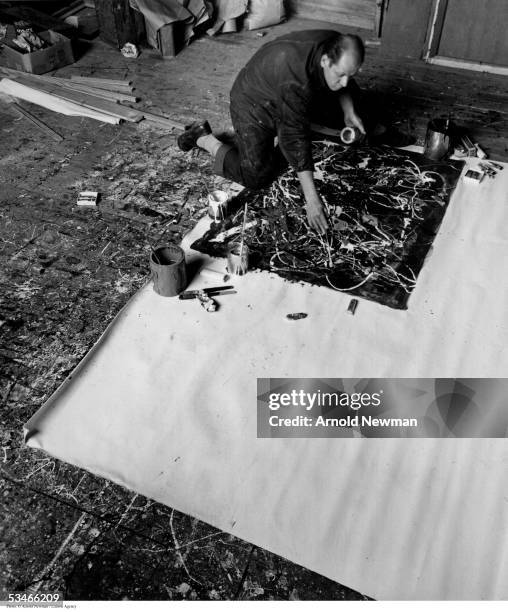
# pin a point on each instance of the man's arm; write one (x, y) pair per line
(295, 144)
(351, 119)
(313, 206)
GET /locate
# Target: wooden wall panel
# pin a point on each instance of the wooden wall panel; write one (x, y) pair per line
(475, 30)
(405, 27)
(118, 23)
(353, 13)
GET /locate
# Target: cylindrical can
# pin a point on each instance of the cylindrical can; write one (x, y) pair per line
(348, 135)
(217, 204)
(238, 258)
(437, 139)
(168, 270)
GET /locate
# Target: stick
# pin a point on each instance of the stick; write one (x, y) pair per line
(243, 231)
(40, 124)
(155, 256)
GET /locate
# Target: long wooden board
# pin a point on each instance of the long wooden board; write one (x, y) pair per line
(104, 83)
(85, 99)
(54, 103)
(76, 86)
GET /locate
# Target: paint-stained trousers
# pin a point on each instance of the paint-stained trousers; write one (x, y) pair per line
(253, 160)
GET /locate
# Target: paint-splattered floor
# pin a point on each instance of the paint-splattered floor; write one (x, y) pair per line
(65, 273)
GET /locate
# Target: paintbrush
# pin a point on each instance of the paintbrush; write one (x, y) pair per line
(155, 256)
(243, 231)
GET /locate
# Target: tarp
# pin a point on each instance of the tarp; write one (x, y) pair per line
(165, 404)
(158, 13)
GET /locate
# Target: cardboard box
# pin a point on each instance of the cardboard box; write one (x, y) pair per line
(38, 62)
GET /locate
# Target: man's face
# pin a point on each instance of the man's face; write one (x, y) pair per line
(337, 75)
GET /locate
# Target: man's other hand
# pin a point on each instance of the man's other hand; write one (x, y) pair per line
(316, 216)
(351, 119)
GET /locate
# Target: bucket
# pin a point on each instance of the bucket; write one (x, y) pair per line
(437, 139)
(238, 258)
(168, 270)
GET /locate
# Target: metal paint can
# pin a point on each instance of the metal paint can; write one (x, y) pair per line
(238, 258)
(168, 270)
(217, 205)
(437, 140)
(348, 135)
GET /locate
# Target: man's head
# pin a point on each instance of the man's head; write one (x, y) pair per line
(342, 57)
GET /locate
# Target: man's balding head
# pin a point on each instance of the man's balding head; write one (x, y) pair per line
(342, 57)
(341, 44)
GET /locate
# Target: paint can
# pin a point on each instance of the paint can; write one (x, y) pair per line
(217, 205)
(168, 270)
(437, 140)
(238, 258)
(348, 135)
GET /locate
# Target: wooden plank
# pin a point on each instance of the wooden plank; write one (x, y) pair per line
(40, 124)
(124, 86)
(166, 40)
(85, 79)
(54, 103)
(106, 94)
(84, 99)
(354, 13)
(436, 27)
(100, 93)
(465, 65)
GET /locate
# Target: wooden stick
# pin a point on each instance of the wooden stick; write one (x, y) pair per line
(163, 121)
(89, 80)
(40, 124)
(101, 93)
(243, 231)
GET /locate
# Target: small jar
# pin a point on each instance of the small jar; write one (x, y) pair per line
(217, 205)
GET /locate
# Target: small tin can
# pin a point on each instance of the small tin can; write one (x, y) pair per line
(238, 258)
(217, 205)
(348, 135)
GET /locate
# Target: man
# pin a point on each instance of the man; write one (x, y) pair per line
(287, 83)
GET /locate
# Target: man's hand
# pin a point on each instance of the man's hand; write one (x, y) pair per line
(351, 119)
(316, 215)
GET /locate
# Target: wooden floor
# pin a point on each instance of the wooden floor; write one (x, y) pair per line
(65, 273)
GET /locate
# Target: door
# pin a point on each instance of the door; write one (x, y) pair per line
(473, 31)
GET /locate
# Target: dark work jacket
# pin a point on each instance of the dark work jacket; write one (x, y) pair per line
(276, 87)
